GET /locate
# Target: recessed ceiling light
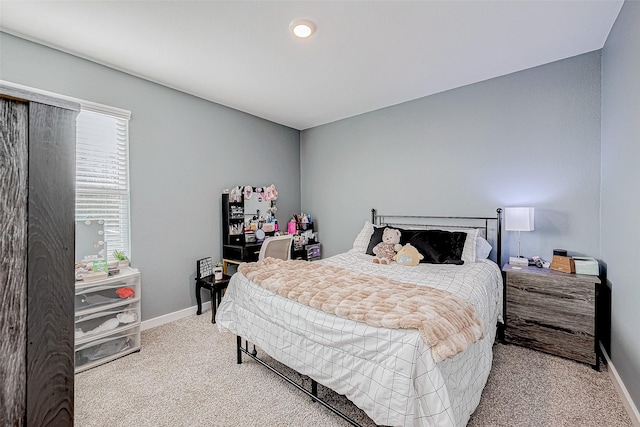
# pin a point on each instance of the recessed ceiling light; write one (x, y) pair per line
(302, 28)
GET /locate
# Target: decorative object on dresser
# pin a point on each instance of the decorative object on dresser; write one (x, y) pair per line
(564, 264)
(123, 261)
(553, 312)
(90, 239)
(519, 219)
(586, 265)
(107, 319)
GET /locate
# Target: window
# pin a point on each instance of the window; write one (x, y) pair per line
(102, 172)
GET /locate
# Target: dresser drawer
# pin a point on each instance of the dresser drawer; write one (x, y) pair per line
(573, 312)
(114, 291)
(551, 339)
(550, 286)
(105, 322)
(108, 348)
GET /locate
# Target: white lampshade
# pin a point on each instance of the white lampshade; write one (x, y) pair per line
(518, 219)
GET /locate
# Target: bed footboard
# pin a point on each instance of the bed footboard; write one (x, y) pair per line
(313, 394)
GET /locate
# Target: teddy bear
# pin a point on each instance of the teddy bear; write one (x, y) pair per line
(408, 255)
(386, 249)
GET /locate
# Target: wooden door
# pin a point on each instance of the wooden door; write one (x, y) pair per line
(37, 243)
(14, 118)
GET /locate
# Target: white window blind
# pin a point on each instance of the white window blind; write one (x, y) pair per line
(102, 174)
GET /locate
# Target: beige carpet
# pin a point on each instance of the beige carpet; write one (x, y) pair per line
(186, 375)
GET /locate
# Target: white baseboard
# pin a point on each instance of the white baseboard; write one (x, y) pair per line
(631, 408)
(176, 315)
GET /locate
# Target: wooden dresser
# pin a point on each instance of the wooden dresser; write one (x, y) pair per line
(552, 312)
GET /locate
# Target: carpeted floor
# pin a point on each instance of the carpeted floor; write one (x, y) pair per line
(186, 375)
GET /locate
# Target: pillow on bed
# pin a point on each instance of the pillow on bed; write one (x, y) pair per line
(376, 237)
(438, 246)
(361, 242)
(483, 248)
(469, 252)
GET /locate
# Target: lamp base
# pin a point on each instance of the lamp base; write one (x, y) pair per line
(519, 261)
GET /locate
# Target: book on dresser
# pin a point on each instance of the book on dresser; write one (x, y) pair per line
(107, 319)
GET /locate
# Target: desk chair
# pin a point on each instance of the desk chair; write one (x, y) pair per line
(276, 247)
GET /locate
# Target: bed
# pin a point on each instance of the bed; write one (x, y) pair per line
(391, 373)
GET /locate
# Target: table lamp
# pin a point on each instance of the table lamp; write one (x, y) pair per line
(518, 219)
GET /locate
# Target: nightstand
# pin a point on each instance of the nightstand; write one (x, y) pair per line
(553, 312)
(215, 287)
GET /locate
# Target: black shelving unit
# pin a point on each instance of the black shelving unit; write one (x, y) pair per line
(232, 216)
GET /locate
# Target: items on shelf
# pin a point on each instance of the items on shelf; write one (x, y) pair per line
(125, 292)
(89, 328)
(248, 218)
(237, 212)
(301, 226)
(91, 269)
(93, 276)
(299, 223)
(249, 214)
(235, 229)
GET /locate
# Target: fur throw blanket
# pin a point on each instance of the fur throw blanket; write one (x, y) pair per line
(448, 324)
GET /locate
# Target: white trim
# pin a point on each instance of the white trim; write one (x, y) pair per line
(176, 315)
(631, 408)
(87, 105)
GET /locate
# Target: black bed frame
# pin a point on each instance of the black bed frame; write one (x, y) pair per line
(414, 221)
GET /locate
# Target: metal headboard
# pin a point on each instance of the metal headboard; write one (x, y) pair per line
(492, 226)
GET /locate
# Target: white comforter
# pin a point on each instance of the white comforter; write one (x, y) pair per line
(388, 373)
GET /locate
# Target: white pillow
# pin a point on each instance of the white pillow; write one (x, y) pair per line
(361, 243)
(483, 248)
(469, 250)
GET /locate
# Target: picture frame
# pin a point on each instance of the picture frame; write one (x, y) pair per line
(204, 267)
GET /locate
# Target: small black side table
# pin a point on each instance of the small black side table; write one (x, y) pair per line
(216, 287)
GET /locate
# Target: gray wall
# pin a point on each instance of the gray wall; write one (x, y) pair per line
(184, 151)
(620, 228)
(530, 138)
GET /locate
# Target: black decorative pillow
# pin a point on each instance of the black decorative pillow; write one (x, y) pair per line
(437, 246)
(376, 237)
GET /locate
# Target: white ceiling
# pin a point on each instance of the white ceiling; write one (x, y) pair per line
(365, 55)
